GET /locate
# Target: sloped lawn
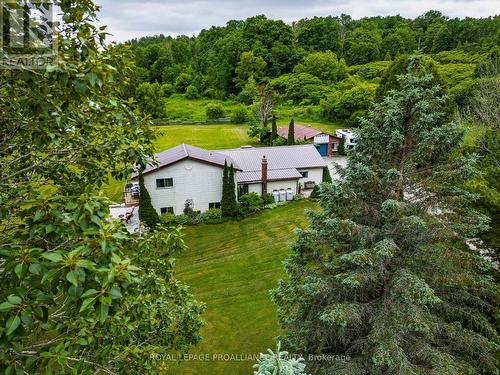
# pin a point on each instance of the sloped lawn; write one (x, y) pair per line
(231, 267)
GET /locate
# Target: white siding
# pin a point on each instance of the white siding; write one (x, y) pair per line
(315, 174)
(273, 185)
(194, 180)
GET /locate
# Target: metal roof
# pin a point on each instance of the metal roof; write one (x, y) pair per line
(279, 157)
(273, 174)
(183, 151)
(282, 161)
(301, 132)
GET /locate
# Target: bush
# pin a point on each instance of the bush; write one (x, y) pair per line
(182, 82)
(182, 219)
(167, 89)
(298, 197)
(240, 115)
(267, 198)
(215, 111)
(315, 194)
(167, 218)
(249, 203)
(213, 213)
(192, 92)
(214, 94)
(342, 105)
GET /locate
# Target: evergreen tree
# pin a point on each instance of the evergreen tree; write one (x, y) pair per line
(274, 130)
(384, 273)
(291, 133)
(341, 149)
(229, 205)
(147, 213)
(224, 203)
(233, 203)
(326, 175)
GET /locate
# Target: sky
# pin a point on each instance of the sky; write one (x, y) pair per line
(128, 19)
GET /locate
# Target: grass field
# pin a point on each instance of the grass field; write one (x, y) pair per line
(212, 137)
(231, 267)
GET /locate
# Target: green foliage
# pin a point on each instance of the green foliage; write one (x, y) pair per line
(249, 92)
(267, 198)
(147, 214)
(399, 66)
(341, 149)
(224, 60)
(279, 363)
(215, 111)
(79, 294)
(150, 99)
(249, 66)
(167, 89)
(371, 70)
(239, 115)
(182, 82)
(300, 88)
(182, 219)
(350, 104)
(315, 194)
(192, 92)
(214, 213)
(323, 65)
(228, 204)
(291, 133)
(251, 202)
(382, 275)
(326, 175)
(167, 218)
(363, 46)
(274, 131)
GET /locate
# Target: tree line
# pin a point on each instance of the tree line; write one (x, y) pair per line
(219, 61)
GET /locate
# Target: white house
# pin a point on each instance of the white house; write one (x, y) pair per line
(190, 175)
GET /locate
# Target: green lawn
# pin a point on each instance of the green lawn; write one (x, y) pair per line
(231, 267)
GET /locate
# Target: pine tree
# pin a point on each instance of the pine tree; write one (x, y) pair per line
(228, 204)
(291, 133)
(224, 203)
(147, 213)
(341, 148)
(384, 273)
(274, 130)
(233, 203)
(326, 175)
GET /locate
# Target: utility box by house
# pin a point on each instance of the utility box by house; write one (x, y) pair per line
(276, 195)
(282, 195)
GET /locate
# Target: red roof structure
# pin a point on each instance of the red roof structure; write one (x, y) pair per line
(301, 132)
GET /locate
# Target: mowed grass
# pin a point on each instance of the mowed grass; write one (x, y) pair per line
(231, 267)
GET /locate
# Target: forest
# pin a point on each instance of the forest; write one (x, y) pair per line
(330, 66)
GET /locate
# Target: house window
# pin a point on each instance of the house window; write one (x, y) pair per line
(165, 210)
(242, 190)
(162, 183)
(304, 174)
(335, 146)
(214, 205)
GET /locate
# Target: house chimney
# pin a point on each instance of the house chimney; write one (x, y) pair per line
(264, 175)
